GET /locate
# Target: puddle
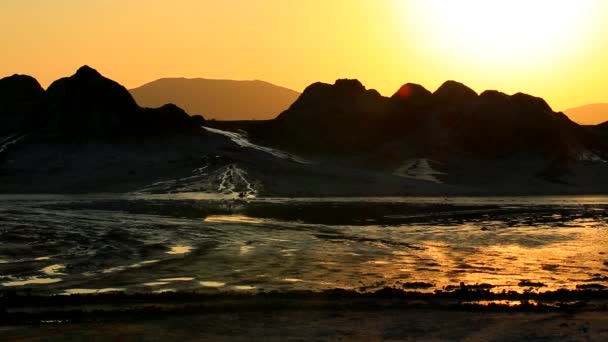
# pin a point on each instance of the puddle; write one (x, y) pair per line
(499, 302)
(147, 262)
(292, 280)
(43, 258)
(122, 268)
(244, 250)
(233, 219)
(177, 279)
(32, 281)
(378, 262)
(176, 250)
(211, 283)
(53, 270)
(156, 283)
(163, 291)
(244, 287)
(92, 291)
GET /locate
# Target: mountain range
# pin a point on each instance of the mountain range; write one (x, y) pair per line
(218, 99)
(84, 106)
(86, 133)
(592, 114)
(347, 117)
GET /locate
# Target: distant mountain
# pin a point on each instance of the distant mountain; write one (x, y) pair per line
(592, 114)
(218, 99)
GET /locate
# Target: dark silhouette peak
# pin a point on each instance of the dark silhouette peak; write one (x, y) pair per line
(454, 93)
(413, 95)
(451, 84)
(495, 97)
(21, 99)
(171, 107)
(343, 93)
(349, 85)
(373, 92)
(87, 71)
(19, 78)
(88, 105)
(17, 88)
(332, 112)
(411, 90)
(316, 87)
(87, 88)
(493, 94)
(531, 103)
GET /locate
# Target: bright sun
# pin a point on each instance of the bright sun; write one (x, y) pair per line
(496, 33)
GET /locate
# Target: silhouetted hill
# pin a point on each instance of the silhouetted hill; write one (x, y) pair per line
(86, 106)
(499, 124)
(332, 117)
(413, 94)
(345, 117)
(218, 99)
(592, 114)
(20, 98)
(454, 94)
(90, 105)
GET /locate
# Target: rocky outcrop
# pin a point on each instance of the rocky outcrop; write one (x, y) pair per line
(338, 117)
(21, 97)
(453, 94)
(346, 117)
(87, 106)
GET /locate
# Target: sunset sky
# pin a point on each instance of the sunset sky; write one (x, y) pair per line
(555, 49)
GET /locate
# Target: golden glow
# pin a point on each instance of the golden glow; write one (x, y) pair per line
(506, 33)
(554, 49)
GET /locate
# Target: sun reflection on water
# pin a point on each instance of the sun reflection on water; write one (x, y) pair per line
(176, 250)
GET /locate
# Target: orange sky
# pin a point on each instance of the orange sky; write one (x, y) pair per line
(555, 49)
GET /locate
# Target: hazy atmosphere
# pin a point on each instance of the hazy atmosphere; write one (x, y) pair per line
(552, 49)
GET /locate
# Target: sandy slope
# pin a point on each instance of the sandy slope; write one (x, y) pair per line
(221, 161)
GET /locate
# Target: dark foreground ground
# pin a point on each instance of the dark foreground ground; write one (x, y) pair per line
(333, 315)
(332, 325)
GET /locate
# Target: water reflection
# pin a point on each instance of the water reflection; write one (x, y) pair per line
(212, 284)
(176, 250)
(136, 265)
(53, 270)
(512, 246)
(31, 281)
(156, 283)
(92, 291)
(233, 219)
(244, 288)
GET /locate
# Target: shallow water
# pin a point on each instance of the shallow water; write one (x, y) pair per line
(136, 243)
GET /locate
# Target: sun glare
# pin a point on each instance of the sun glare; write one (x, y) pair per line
(503, 33)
